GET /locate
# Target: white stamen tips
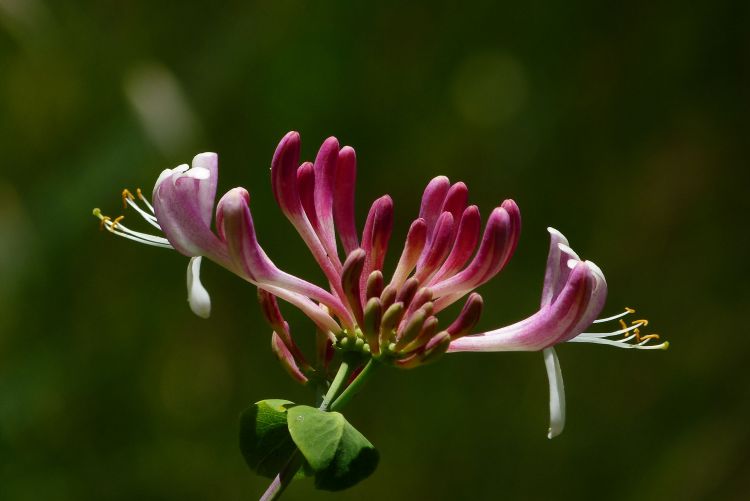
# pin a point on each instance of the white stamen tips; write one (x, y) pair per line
(632, 334)
(198, 298)
(627, 311)
(115, 225)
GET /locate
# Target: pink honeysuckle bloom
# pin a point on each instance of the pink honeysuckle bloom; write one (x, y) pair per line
(182, 209)
(573, 296)
(394, 318)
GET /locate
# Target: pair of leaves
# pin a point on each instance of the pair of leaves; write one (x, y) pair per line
(336, 453)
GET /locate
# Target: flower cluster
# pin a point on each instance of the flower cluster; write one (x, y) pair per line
(389, 317)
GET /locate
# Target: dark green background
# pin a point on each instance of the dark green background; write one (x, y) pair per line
(624, 126)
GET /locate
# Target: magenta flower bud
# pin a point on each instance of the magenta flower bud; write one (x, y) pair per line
(429, 329)
(376, 235)
(306, 187)
(415, 242)
(406, 294)
(467, 237)
(272, 314)
(456, 200)
(343, 199)
(438, 248)
(468, 318)
(493, 253)
(374, 284)
(388, 296)
(378, 229)
(284, 176)
(515, 222)
(371, 324)
(432, 202)
(350, 281)
(433, 350)
(325, 172)
(286, 191)
(391, 318)
(410, 329)
(422, 297)
(287, 360)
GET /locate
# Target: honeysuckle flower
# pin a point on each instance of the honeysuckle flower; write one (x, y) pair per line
(182, 209)
(394, 318)
(573, 295)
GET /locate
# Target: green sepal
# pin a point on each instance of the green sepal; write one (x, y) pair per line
(265, 442)
(338, 454)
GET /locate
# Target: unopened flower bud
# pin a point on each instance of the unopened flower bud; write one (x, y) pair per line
(371, 325)
(287, 360)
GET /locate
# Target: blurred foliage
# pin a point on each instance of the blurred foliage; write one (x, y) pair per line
(622, 125)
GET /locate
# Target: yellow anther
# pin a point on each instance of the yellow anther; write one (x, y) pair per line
(623, 325)
(125, 196)
(643, 322)
(139, 193)
(629, 310)
(103, 222)
(647, 337)
(117, 220)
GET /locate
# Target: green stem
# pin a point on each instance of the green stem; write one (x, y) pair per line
(284, 478)
(287, 473)
(355, 385)
(341, 376)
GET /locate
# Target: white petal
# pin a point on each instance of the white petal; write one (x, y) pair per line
(556, 393)
(164, 175)
(198, 298)
(198, 173)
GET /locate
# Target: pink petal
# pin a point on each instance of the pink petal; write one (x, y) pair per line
(306, 186)
(249, 257)
(415, 242)
(325, 171)
(432, 202)
(467, 237)
(343, 199)
(440, 245)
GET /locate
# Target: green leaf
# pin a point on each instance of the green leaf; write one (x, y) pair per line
(339, 455)
(264, 437)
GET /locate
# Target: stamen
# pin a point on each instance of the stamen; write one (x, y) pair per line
(632, 335)
(129, 199)
(126, 196)
(621, 343)
(624, 330)
(144, 200)
(627, 311)
(645, 338)
(116, 227)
